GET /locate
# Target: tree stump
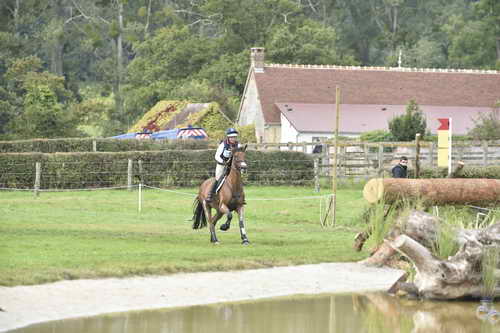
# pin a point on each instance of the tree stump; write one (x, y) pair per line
(458, 276)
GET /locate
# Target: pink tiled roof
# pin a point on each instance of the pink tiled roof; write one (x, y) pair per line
(374, 86)
(358, 118)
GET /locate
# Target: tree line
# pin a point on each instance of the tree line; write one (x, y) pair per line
(93, 67)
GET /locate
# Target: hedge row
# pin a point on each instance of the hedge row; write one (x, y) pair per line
(160, 168)
(489, 172)
(102, 144)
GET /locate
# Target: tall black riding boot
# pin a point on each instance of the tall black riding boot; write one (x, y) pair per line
(211, 194)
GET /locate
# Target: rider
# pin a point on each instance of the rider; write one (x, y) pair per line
(222, 157)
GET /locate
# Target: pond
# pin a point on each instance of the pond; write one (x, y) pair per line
(369, 312)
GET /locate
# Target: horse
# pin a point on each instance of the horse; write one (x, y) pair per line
(230, 197)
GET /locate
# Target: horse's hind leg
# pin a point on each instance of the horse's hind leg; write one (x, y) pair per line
(243, 233)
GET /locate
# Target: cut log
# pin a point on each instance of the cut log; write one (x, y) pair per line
(380, 257)
(420, 226)
(434, 191)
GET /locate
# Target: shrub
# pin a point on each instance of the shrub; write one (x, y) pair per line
(487, 125)
(376, 136)
(159, 168)
(102, 145)
(404, 127)
(489, 172)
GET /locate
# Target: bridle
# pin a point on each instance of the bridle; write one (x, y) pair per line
(238, 164)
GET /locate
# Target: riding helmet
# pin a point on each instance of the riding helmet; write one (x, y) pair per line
(231, 132)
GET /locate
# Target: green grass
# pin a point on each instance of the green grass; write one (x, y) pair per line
(489, 265)
(72, 235)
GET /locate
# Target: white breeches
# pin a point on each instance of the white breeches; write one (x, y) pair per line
(219, 171)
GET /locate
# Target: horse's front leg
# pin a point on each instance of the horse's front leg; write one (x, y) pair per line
(243, 233)
(225, 210)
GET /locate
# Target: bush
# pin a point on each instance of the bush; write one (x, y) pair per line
(487, 125)
(376, 136)
(405, 127)
(102, 145)
(157, 168)
(490, 172)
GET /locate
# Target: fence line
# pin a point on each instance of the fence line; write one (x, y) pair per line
(356, 160)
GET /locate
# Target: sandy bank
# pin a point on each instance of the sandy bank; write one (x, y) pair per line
(25, 305)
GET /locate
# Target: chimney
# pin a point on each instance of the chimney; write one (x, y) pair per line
(257, 59)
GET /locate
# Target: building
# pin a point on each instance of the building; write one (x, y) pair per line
(296, 103)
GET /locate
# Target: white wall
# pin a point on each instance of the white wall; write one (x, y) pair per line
(251, 110)
(288, 132)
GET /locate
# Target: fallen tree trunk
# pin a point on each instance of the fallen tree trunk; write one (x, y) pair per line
(434, 191)
(415, 234)
(418, 225)
(459, 275)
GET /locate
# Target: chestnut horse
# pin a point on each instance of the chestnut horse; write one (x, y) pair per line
(229, 198)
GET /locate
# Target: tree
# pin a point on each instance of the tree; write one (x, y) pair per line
(487, 125)
(43, 116)
(163, 63)
(404, 127)
(39, 104)
(309, 43)
(488, 12)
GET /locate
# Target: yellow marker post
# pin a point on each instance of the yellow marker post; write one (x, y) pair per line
(444, 144)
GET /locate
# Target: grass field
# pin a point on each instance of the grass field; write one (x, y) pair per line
(90, 234)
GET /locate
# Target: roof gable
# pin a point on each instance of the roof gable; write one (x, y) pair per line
(374, 85)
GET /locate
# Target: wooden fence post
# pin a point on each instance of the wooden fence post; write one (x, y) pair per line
(141, 175)
(316, 174)
(380, 157)
(326, 158)
(485, 153)
(367, 161)
(431, 154)
(129, 175)
(417, 155)
(461, 153)
(38, 172)
(94, 146)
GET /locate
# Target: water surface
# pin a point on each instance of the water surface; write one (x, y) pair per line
(370, 313)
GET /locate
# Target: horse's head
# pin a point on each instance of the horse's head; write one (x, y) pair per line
(239, 159)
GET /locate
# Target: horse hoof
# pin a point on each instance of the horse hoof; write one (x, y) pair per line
(245, 242)
(224, 227)
(215, 243)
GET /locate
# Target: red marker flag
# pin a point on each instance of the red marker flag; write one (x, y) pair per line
(445, 124)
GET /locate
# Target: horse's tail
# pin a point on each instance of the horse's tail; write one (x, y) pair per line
(199, 218)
